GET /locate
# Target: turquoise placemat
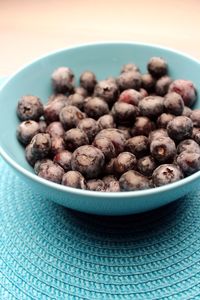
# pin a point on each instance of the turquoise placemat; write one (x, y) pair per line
(50, 252)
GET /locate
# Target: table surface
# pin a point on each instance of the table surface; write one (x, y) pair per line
(29, 29)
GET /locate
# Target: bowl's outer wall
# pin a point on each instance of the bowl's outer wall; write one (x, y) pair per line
(105, 60)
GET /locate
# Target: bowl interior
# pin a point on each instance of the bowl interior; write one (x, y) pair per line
(103, 59)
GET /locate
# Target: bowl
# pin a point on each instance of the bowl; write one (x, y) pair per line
(105, 59)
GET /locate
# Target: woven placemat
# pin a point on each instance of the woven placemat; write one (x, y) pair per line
(50, 252)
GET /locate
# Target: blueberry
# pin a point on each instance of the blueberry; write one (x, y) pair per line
(116, 137)
(157, 67)
(173, 103)
(123, 113)
(157, 133)
(29, 108)
(42, 126)
(90, 127)
(195, 117)
(130, 67)
(30, 157)
(180, 128)
(138, 145)
(88, 160)
(88, 81)
(133, 180)
(81, 91)
(148, 82)
(126, 131)
(63, 80)
(164, 119)
(106, 121)
(41, 164)
(40, 145)
(54, 107)
(162, 85)
(52, 172)
(75, 138)
(106, 90)
(196, 135)
(163, 149)
(109, 167)
(74, 179)
(130, 96)
(188, 162)
(186, 89)
(55, 129)
(146, 165)
(143, 93)
(63, 159)
(96, 107)
(70, 116)
(129, 80)
(186, 111)
(165, 174)
(57, 145)
(96, 185)
(151, 106)
(26, 130)
(76, 100)
(124, 162)
(106, 146)
(142, 126)
(111, 183)
(188, 145)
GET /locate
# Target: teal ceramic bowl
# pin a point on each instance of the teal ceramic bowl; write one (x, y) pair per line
(105, 59)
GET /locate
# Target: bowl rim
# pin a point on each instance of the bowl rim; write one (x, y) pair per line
(98, 194)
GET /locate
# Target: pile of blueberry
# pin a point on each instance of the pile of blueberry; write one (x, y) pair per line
(133, 132)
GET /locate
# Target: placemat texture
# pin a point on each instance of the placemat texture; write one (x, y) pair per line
(50, 252)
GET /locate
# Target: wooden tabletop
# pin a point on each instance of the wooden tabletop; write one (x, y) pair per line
(29, 29)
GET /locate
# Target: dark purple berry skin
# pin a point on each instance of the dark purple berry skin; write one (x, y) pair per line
(70, 116)
(30, 157)
(130, 67)
(106, 121)
(106, 90)
(116, 137)
(165, 174)
(186, 111)
(173, 104)
(75, 138)
(148, 82)
(195, 117)
(42, 126)
(158, 133)
(40, 145)
(55, 129)
(74, 179)
(124, 162)
(90, 127)
(54, 107)
(163, 149)
(126, 131)
(138, 145)
(52, 172)
(180, 128)
(196, 135)
(186, 89)
(41, 164)
(162, 85)
(146, 165)
(96, 185)
(63, 159)
(109, 167)
(188, 145)
(96, 107)
(157, 67)
(57, 145)
(151, 106)
(143, 93)
(88, 160)
(129, 80)
(81, 91)
(26, 131)
(106, 146)
(88, 81)
(132, 181)
(142, 126)
(130, 96)
(76, 100)
(188, 162)
(111, 183)
(29, 108)
(164, 119)
(123, 113)
(63, 80)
